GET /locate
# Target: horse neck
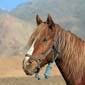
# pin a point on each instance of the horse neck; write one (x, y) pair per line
(68, 58)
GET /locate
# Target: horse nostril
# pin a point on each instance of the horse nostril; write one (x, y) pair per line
(26, 54)
(30, 61)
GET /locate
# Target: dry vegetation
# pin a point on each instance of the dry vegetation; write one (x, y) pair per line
(12, 67)
(11, 73)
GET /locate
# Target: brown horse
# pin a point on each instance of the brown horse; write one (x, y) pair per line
(71, 60)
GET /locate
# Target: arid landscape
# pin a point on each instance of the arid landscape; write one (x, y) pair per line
(11, 73)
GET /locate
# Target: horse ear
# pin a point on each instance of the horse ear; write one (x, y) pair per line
(38, 20)
(50, 21)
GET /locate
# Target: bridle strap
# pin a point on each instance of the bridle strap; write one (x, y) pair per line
(40, 59)
(53, 49)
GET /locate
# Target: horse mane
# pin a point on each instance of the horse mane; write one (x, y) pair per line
(73, 54)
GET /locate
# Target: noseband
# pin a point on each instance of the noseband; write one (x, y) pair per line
(53, 49)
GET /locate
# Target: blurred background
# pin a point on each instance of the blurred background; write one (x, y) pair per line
(17, 22)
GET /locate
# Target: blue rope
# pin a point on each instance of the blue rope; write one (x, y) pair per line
(49, 66)
(47, 72)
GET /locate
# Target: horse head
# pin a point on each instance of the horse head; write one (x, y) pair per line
(42, 46)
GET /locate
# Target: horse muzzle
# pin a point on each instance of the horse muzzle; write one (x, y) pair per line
(29, 67)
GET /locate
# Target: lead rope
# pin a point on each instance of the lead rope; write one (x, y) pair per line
(50, 64)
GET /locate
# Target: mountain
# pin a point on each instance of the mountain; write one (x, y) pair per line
(57, 8)
(14, 34)
(69, 14)
(17, 25)
(2, 11)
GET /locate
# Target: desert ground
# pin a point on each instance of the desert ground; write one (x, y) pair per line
(11, 73)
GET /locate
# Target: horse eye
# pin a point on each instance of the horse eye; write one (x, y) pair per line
(44, 39)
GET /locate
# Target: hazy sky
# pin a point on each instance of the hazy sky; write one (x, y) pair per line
(10, 4)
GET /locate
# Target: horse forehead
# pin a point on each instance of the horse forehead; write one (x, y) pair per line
(30, 51)
(42, 26)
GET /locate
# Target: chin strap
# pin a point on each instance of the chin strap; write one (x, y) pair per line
(50, 64)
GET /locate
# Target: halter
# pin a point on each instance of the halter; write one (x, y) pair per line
(53, 49)
(50, 64)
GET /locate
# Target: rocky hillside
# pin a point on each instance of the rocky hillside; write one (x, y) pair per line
(14, 34)
(17, 25)
(69, 14)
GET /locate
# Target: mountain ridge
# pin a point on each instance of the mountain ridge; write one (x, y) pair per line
(63, 12)
(17, 25)
(14, 34)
